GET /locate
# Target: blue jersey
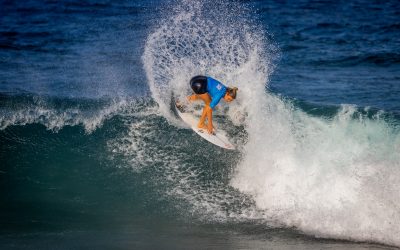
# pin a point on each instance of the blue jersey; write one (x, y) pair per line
(216, 90)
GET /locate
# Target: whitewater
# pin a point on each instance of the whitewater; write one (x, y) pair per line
(333, 177)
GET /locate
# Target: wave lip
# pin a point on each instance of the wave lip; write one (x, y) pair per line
(56, 113)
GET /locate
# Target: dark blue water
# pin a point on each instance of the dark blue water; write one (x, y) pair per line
(331, 52)
(87, 161)
(337, 52)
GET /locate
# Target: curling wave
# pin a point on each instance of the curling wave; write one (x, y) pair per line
(334, 177)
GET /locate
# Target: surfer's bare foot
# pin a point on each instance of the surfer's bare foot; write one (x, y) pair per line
(203, 126)
(210, 130)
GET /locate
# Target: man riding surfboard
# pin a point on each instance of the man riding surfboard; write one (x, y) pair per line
(210, 91)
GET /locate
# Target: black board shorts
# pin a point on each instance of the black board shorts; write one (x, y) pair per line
(199, 84)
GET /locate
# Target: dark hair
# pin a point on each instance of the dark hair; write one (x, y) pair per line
(232, 92)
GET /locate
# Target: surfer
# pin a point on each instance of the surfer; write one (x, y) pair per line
(210, 91)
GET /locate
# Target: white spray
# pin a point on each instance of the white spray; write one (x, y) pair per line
(327, 177)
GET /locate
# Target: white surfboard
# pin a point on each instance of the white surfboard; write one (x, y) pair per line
(217, 138)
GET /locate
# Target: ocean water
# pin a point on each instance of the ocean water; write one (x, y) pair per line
(93, 157)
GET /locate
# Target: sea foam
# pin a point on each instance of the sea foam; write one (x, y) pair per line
(331, 177)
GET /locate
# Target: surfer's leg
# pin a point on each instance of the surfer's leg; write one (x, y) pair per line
(202, 120)
(207, 100)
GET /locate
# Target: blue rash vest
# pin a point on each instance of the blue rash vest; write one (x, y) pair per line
(216, 90)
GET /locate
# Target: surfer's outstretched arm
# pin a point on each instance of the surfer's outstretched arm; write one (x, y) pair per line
(193, 97)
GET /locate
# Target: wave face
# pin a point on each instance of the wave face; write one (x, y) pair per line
(332, 176)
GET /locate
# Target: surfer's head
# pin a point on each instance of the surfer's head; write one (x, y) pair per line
(230, 94)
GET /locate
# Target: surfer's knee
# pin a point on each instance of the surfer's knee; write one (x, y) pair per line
(205, 98)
